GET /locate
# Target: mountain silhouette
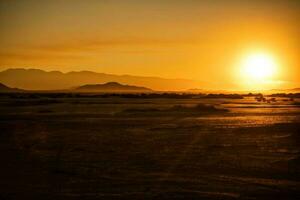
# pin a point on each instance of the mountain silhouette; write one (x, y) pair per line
(292, 90)
(4, 88)
(36, 79)
(295, 89)
(111, 87)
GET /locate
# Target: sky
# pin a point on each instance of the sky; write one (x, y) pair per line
(199, 40)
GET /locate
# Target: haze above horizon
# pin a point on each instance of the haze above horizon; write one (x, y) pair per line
(224, 44)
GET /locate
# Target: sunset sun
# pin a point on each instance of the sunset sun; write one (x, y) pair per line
(259, 66)
(258, 70)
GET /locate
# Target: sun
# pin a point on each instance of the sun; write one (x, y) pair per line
(259, 66)
(258, 70)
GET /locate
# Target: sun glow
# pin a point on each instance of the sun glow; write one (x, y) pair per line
(259, 66)
(258, 70)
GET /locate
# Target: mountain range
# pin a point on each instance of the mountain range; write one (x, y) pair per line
(106, 87)
(293, 90)
(36, 79)
(4, 88)
(111, 87)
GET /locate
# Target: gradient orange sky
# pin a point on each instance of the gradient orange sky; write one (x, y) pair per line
(200, 40)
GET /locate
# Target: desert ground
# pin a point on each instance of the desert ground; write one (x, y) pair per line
(123, 147)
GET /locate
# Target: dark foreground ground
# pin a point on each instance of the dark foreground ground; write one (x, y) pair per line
(127, 148)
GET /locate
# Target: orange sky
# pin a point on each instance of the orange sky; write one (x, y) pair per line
(201, 40)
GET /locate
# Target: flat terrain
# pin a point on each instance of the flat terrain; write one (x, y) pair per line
(148, 148)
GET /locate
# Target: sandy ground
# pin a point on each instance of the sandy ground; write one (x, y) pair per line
(126, 148)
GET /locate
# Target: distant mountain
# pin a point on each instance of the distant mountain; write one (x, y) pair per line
(293, 90)
(4, 88)
(195, 90)
(36, 79)
(111, 87)
(296, 89)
